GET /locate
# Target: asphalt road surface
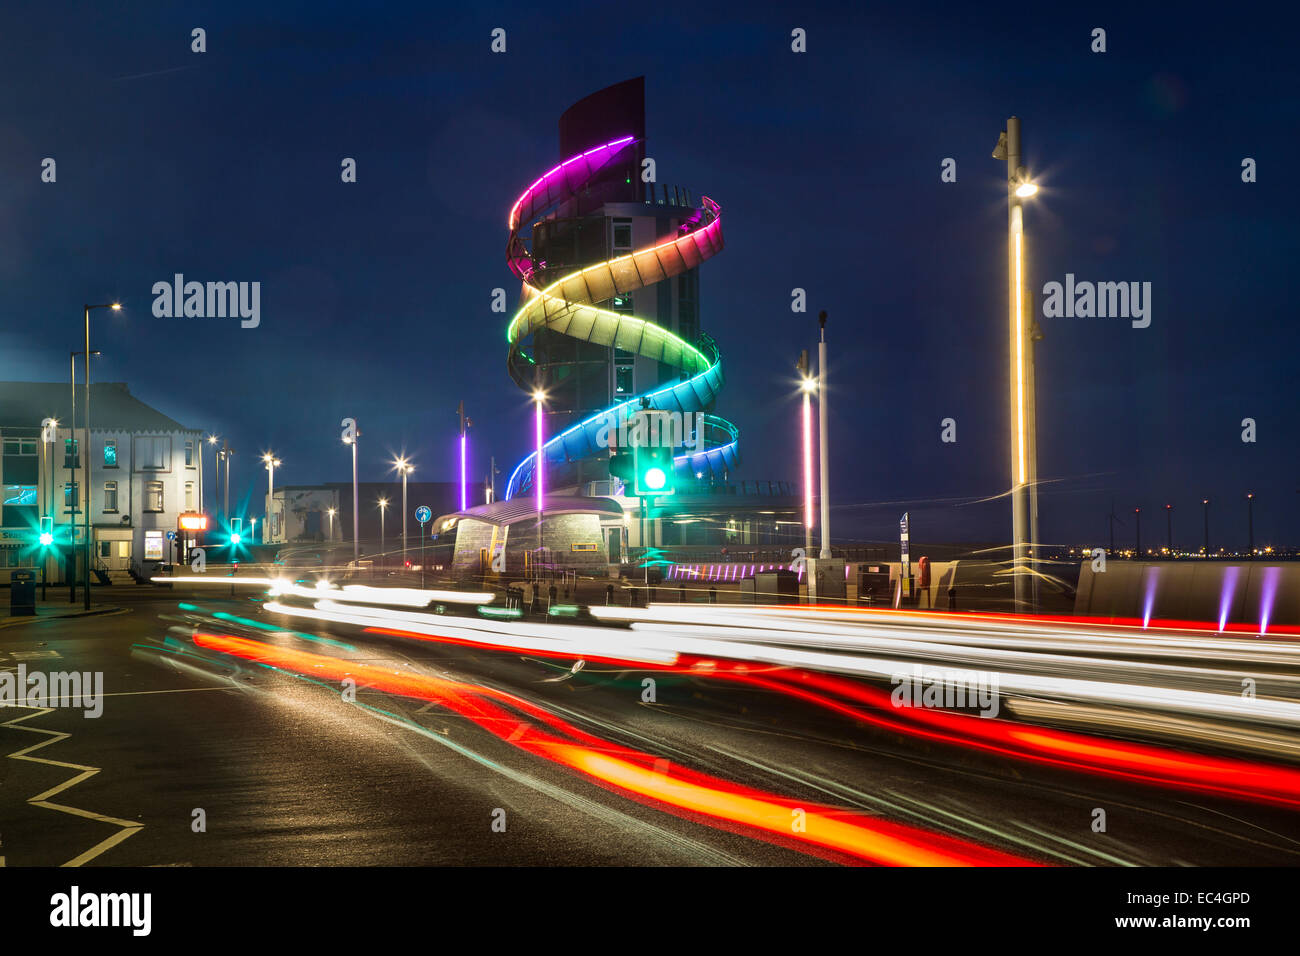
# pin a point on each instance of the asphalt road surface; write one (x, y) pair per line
(204, 757)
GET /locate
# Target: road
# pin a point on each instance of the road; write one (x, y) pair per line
(229, 735)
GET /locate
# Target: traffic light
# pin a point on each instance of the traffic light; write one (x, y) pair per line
(654, 471)
(236, 529)
(47, 531)
(622, 463)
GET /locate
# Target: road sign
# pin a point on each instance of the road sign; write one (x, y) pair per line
(905, 569)
(423, 514)
(171, 535)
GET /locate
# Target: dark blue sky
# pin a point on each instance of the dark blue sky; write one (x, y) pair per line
(376, 295)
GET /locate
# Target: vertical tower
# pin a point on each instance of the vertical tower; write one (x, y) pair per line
(610, 306)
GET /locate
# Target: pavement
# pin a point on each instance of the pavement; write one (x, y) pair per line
(56, 606)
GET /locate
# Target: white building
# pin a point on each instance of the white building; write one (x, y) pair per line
(145, 469)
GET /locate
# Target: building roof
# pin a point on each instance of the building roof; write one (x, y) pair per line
(113, 407)
(518, 509)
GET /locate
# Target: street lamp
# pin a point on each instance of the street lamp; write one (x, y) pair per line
(1023, 332)
(116, 307)
(823, 427)
(75, 499)
(271, 464)
(465, 424)
(404, 468)
(1250, 521)
(383, 510)
(1205, 503)
(808, 385)
(331, 512)
(539, 397)
(350, 438)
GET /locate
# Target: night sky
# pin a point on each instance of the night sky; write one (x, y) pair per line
(376, 295)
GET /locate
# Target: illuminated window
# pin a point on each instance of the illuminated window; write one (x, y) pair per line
(189, 496)
(110, 453)
(153, 496)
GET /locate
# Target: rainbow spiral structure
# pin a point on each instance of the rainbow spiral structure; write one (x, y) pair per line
(565, 306)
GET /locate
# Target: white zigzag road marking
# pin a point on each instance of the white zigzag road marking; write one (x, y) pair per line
(128, 827)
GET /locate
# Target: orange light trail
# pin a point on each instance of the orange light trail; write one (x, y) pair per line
(637, 773)
(1080, 753)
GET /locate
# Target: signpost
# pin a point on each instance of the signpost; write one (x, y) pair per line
(422, 514)
(905, 568)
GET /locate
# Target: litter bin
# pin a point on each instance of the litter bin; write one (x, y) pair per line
(22, 593)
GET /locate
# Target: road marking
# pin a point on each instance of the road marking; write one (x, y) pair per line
(33, 655)
(175, 690)
(128, 827)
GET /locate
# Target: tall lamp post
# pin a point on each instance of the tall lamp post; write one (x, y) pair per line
(383, 510)
(1250, 522)
(116, 307)
(1169, 529)
(1205, 504)
(807, 385)
(351, 435)
(271, 464)
(216, 467)
(404, 468)
(539, 397)
(331, 512)
(465, 423)
(1021, 336)
(823, 426)
(75, 499)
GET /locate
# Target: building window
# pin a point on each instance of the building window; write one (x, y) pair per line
(189, 454)
(110, 496)
(153, 496)
(106, 549)
(20, 446)
(19, 495)
(153, 452)
(189, 496)
(623, 380)
(622, 235)
(71, 453)
(110, 453)
(71, 497)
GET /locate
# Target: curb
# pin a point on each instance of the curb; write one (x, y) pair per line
(35, 619)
